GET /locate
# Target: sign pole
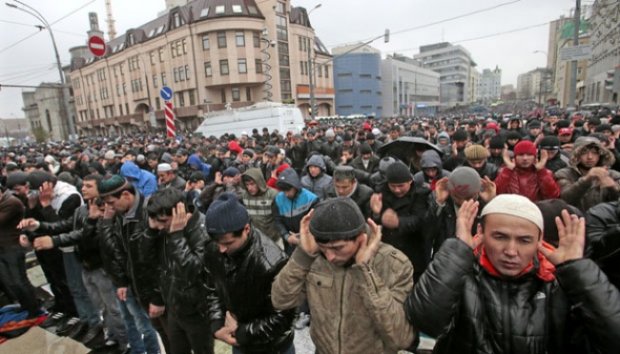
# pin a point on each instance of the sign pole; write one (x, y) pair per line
(170, 127)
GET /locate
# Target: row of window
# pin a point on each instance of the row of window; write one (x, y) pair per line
(242, 67)
(223, 43)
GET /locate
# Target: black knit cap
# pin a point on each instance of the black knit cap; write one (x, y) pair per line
(550, 142)
(337, 219)
(226, 214)
(497, 142)
(398, 172)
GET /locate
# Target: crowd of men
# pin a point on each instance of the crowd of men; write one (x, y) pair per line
(491, 234)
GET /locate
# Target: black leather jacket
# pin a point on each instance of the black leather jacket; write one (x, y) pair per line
(181, 256)
(79, 232)
(603, 239)
(472, 311)
(241, 284)
(131, 254)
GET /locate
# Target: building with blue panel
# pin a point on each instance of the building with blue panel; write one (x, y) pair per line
(357, 81)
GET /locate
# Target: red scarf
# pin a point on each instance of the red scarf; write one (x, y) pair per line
(545, 271)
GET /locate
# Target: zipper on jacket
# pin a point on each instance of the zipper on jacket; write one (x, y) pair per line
(344, 278)
(506, 317)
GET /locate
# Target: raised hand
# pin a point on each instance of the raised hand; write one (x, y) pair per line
(441, 191)
(179, 218)
(376, 203)
(306, 239)
(488, 189)
(572, 239)
(94, 211)
(468, 212)
(29, 224)
(542, 162)
(369, 244)
(507, 160)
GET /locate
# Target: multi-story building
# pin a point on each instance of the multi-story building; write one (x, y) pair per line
(14, 130)
(456, 68)
(213, 55)
(535, 85)
(602, 84)
(563, 73)
(357, 80)
(44, 111)
(490, 85)
(408, 89)
(508, 93)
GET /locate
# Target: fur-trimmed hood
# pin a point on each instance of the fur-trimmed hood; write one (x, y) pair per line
(607, 157)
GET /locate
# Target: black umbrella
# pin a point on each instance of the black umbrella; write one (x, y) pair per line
(404, 147)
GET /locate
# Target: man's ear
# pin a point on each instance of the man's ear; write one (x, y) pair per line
(480, 230)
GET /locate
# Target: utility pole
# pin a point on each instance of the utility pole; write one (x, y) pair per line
(64, 88)
(573, 80)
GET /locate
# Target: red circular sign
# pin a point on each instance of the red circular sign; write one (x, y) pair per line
(97, 46)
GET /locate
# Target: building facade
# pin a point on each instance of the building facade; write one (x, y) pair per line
(535, 85)
(408, 89)
(602, 84)
(490, 85)
(44, 110)
(357, 81)
(213, 55)
(456, 68)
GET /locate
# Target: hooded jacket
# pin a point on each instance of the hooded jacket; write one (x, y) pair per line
(289, 212)
(196, 163)
(468, 309)
(259, 205)
(144, 181)
(320, 183)
(584, 193)
(430, 158)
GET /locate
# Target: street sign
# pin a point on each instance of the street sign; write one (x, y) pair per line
(97, 46)
(166, 93)
(580, 52)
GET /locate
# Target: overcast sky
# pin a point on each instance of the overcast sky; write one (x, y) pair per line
(336, 22)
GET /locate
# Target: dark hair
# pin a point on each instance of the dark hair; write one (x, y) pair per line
(93, 177)
(163, 201)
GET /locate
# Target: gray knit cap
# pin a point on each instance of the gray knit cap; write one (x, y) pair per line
(337, 219)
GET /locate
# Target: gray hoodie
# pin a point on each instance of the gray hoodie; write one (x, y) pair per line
(259, 205)
(319, 184)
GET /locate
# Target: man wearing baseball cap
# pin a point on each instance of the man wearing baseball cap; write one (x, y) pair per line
(507, 291)
(355, 285)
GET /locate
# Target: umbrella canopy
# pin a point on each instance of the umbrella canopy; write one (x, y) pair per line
(404, 147)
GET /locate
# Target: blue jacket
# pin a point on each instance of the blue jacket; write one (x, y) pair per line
(196, 164)
(144, 181)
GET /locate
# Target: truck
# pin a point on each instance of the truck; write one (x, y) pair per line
(270, 115)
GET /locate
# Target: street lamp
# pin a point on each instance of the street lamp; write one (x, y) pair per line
(65, 90)
(311, 66)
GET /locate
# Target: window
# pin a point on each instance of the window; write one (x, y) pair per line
(252, 10)
(208, 70)
(192, 97)
(181, 74)
(120, 109)
(181, 97)
(161, 54)
(155, 81)
(280, 7)
(240, 39)
(256, 39)
(327, 71)
(248, 94)
(152, 57)
(319, 69)
(157, 103)
(282, 32)
(259, 66)
(242, 66)
(205, 42)
(177, 20)
(223, 94)
(187, 72)
(236, 94)
(220, 9)
(237, 9)
(164, 82)
(204, 12)
(175, 74)
(126, 108)
(221, 39)
(224, 67)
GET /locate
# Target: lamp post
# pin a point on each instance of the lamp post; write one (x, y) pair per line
(540, 83)
(311, 67)
(64, 89)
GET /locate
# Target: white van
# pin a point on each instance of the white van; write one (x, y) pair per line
(268, 115)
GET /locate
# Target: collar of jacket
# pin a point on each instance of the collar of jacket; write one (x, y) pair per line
(242, 252)
(545, 270)
(135, 211)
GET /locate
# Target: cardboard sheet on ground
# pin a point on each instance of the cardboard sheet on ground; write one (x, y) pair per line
(40, 341)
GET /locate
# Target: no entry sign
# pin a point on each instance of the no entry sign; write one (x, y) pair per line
(96, 45)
